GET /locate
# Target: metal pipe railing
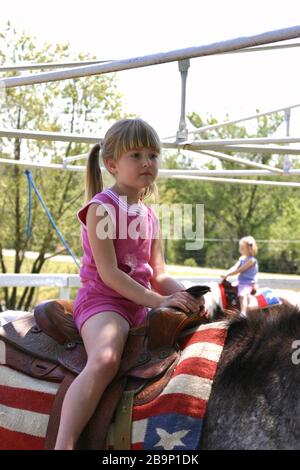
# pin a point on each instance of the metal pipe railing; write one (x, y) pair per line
(211, 127)
(187, 145)
(57, 136)
(156, 59)
(277, 150)
(246, 140)
(240, 161)
(79, 63)
(49, 65)
(163, 173)
(182, 133)
(238, 181)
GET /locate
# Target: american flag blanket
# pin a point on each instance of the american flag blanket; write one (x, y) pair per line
(172, 421)
(264, 299)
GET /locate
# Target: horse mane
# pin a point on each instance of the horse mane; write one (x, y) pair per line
(259, 344)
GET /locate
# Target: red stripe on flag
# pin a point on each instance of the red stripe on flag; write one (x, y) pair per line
(134, 446)
(210, 335)
(197, 366)
(25, 399)
(137, 446)
(262, 301)
(172, 403)
(12, 440)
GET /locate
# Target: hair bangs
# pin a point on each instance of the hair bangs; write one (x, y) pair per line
(136, 134)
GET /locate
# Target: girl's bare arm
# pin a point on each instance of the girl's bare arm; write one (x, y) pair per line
(161, 281)
(236, 269)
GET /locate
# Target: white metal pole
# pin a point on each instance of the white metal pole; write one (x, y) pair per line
(240, 161)
(275, 150)
(57, 136)
(163, 173)
(79, 63)
(238, 181)
(266, 48)
(287, 161)
(159, 58)
(226, 173)
(182, 132)
(192, 145)
(236, 121)
(75, 158)
(249, 140)
(49, 166)
(49, 65)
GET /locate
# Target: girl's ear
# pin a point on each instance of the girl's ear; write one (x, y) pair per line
(110, 165)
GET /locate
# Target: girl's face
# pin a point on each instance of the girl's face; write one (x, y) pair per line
(137, 168)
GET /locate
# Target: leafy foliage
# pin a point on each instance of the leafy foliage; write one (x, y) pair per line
(79, 106)
(233, 210)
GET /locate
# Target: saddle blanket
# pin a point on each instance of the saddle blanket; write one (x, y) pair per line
(172, 421)
(263, 299)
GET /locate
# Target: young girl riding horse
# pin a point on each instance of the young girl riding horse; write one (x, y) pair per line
(247, 269)
(123, 269)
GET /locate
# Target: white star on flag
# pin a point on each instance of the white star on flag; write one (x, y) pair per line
(169, 440)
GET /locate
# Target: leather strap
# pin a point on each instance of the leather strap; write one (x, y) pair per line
(94, 435)
(123, 421)
(54, 420)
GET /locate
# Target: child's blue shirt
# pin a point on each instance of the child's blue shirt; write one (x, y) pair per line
(250, 275)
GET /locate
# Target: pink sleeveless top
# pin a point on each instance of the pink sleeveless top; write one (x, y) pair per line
(135, 226)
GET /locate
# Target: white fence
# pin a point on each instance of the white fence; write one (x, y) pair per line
(65, 281)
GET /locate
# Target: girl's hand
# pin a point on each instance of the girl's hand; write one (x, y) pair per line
(224, 276)
(182, 300)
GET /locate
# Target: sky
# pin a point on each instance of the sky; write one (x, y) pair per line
(235, 85)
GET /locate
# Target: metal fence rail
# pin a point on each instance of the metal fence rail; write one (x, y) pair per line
(61, 65)
(157, 59)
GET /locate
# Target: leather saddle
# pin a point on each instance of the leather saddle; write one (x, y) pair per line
(47, 345)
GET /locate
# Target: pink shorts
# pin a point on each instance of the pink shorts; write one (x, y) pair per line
(89, 302)
(245, 289)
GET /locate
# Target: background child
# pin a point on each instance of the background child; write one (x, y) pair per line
(247, 269)
(121, 276)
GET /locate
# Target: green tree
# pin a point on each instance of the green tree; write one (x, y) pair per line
(72, 106)
(233, 210)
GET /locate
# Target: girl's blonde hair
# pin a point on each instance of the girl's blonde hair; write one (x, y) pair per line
(251, 245)
(121, 137)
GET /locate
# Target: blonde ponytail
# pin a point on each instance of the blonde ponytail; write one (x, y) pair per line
(93, 177)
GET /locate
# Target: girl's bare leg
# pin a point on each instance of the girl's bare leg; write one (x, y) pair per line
(244, 305)
(104, 336)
